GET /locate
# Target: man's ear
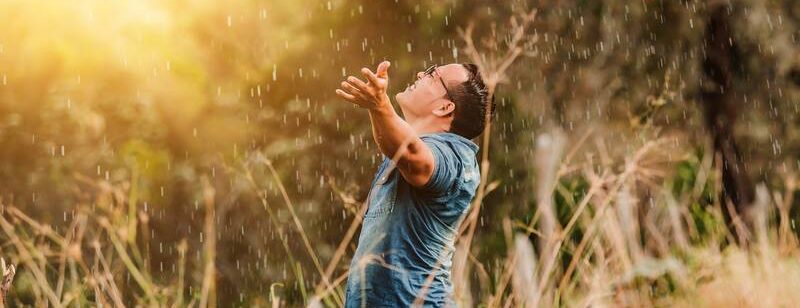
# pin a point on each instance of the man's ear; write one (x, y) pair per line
(445, 109)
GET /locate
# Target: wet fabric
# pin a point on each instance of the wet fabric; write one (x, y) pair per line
(406, 245)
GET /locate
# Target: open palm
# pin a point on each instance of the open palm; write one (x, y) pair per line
(369, 94)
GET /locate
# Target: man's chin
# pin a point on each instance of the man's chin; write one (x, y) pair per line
(399, 96)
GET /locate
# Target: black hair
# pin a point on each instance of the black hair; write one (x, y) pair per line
(472, 101)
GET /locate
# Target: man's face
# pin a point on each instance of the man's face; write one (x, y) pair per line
(427, 93)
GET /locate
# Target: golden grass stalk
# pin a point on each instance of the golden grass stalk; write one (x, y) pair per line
(208, 293)
(8, 270)
(525, 285)
(182, 247)
(27, 257)
(273, 220)
(300, 228)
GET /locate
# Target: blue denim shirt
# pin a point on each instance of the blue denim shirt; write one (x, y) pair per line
(409, 233)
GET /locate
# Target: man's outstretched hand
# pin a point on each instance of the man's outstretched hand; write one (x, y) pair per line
(370, 94)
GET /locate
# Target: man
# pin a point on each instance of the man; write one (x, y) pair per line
(406, 245)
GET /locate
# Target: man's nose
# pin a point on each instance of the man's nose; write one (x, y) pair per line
(419, 75)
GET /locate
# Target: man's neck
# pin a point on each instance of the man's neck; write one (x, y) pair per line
(422, 127)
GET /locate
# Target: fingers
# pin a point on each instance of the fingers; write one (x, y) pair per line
(356, 90)
(360, 85)
(370, 76)
(383, 69)
(352, 90)
(345, 95)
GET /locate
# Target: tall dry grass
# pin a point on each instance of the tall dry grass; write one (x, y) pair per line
(97, 260)
(643, 228)
(632, 239)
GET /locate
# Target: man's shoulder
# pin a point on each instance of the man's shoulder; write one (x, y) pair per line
(456, 142)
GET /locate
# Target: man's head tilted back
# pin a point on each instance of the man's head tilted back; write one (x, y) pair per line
(450, 98)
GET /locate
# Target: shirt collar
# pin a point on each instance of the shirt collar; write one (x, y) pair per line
(466, 141)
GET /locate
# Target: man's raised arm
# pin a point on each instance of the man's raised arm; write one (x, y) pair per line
(394, 136)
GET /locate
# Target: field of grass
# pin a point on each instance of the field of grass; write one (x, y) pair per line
(634, 226)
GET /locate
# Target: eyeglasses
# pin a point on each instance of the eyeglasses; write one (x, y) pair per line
(429, 71)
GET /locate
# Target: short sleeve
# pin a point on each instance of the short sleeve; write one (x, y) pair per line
(446, 168)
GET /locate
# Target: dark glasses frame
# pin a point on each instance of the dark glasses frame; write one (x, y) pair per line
(429, 71)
